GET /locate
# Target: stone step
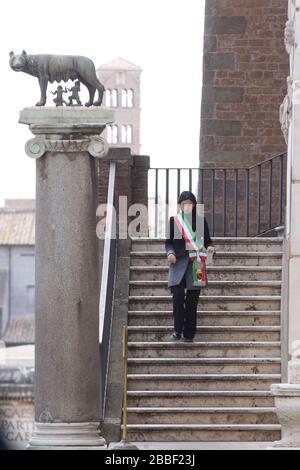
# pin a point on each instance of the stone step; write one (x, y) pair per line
(201, 381)
(209, 302)
(207, 318)
(212, 349)
(197, 398)
(215, 288)
(207, 333)
(222, 258)
(204, 365)
(203, 433)
(201, 415)
(215, 273)
(216, 389)
(223, 244)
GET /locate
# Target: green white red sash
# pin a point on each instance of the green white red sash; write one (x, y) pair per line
(196, 250)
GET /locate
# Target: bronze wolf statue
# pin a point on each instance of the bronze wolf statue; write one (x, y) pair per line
(48, 68)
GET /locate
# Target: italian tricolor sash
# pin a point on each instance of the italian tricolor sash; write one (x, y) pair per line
(197, 252)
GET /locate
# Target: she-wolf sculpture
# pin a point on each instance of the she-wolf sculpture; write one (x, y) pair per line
(50, 68)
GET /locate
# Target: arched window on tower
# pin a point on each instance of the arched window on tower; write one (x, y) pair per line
(130, 98)
(127, 98)
(111, 98)
(112, 134)
(126, 134)
(124, 98)
(107, 98)
(121, 78)
(114, 98)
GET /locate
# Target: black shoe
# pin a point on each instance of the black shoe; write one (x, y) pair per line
(175, 336)
(188, 340)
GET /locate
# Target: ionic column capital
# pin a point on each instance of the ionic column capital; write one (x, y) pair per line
(98, 146)
(66, 129)
(95, 145)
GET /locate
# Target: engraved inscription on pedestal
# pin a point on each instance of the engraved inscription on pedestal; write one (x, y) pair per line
(16, 423)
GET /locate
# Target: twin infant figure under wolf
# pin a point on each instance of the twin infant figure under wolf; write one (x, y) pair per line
(59, 100)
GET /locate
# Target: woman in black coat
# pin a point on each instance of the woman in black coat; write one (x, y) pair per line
(180, 276)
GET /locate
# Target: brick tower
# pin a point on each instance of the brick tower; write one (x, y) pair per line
(121, 80)
(245, 69)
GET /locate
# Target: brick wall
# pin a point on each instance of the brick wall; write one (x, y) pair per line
(131, 179)
(245, 67)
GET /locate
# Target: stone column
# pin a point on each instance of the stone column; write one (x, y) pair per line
(67, 362)
(287, 395)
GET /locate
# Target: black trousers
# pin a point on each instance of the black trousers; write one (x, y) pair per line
(185, 309)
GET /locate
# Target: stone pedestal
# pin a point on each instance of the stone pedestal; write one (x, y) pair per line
(67, 362)
(16, 396)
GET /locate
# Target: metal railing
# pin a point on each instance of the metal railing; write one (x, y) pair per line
(237, 201)
(107, 285)
(125, 368)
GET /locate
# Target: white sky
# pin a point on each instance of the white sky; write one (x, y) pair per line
(164, 37)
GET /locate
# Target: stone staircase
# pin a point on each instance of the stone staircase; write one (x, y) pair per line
(217, 388)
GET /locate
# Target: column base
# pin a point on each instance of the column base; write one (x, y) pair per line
(282, 447)
(67, 436)
(123, 445)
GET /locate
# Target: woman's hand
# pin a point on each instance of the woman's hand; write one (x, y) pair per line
(172, 258)
(211, 249)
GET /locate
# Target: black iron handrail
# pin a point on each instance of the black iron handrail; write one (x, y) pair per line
(247, 196)
(219, 167)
